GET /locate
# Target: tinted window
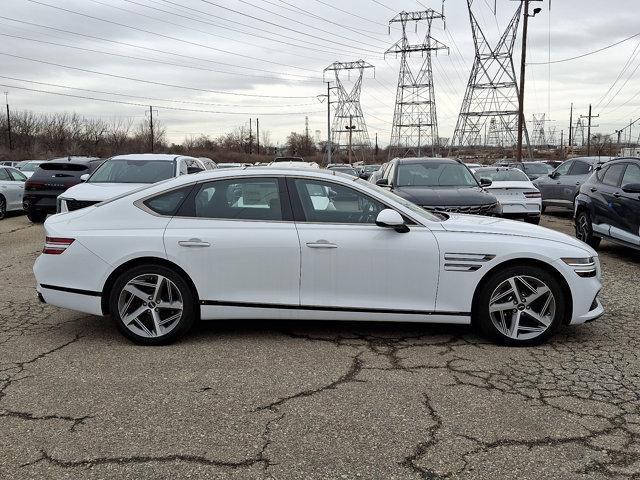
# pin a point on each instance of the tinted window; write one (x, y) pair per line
(169, 202)
(29, 167)
(434, 174)
(327, 202)
(580, 168)
(631, 174)
(612, 175)
(4, 175)
(65, 167)
(564, 168)
(244, 199)
(133, 171)
(17, 175)
(502, 175)
(537, 168)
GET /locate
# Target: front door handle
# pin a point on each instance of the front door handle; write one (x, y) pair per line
(617, 194)
(193, 243)
(321, 244)
(577, 183)
(593, 189)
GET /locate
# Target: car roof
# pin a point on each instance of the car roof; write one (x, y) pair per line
(73, 159)
(451, 161)
(168, 157)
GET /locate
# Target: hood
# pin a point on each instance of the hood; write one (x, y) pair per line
(501, 226)
(445, 196)
(97, 192)
(511, 184)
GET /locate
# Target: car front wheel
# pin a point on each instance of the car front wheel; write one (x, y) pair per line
(152, 305)
(36, 216)
(520, 306)
(3, 207)
(584, 229)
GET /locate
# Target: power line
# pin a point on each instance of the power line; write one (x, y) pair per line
(155, 99)
(383, 5)
(585, 54)
(146, 105)
(627, 64)
(151, 82)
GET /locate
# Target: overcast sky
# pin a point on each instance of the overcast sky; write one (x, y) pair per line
(238, 59)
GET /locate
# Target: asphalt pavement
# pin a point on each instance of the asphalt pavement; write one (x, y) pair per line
(314, 400)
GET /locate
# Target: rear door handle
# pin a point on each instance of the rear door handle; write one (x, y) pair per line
(617, 194)
(321, 244)
(593, 189)
(193, 243)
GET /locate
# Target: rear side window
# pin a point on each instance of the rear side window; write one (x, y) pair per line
(580, 168)
(612, 175)
(240, 199)
(168, 203)
(17, 175)
(4, 175)
(631, 175)
(64, 167)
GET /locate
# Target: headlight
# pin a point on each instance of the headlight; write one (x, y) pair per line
(62, 205)
(584, 266)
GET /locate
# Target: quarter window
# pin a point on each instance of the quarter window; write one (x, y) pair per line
(631, 175)
(169, 202)
(326, 202)
(240, 199)
(612, 175)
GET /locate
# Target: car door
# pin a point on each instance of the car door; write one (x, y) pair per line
(17, 187)
(550, 187)
(570, 183)
(607, 212)
(347, 262)
(628, 207)
(236, 239)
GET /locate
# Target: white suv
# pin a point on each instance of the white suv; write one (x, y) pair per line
(123, 174)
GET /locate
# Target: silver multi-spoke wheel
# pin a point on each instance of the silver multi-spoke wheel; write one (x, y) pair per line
(522, 307)
(583, 229)
(150, 305)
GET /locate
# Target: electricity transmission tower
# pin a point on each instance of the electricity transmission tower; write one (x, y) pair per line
(349, 131)
(539, 138)
(491, 97)
(415, 123)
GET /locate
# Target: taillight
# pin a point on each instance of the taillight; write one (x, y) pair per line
(31, 185)
(532, 195)
(56, 245)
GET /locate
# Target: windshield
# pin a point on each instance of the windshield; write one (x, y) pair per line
(405, 203)
(288, 159)
(133, 171)
(29, 167)
(435, 174)
(513, 175)
(348, 171)
(371, 168)
(537, 168)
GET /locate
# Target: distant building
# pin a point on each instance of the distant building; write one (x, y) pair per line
(630, 152)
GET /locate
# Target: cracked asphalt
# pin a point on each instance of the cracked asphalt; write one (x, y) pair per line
(313, 400)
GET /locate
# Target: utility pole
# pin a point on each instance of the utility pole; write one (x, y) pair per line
(151, 135)
(375, 152)
(562, 143)
(571, 127)
(589, 117)
(351, 127)
(6, 98)
(523, 63)
(328, 122)
(258, 135)
(250, 138)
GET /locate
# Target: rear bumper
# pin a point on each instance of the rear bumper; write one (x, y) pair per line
(39, 203)
(86, 302)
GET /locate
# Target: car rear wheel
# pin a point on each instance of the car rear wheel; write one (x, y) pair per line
(520, 306)
(36, 216)
(3, 207)
(533, 220)
(152, 305)
(584, 229)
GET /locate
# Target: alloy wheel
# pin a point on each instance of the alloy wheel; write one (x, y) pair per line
(522, 307)
(583, 229)
(150, 305)
(3, 208)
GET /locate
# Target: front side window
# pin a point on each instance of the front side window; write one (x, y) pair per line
(17, 175)
(326, 202)
(239, 199)
(537, 168)
(612, 175)
(133, 171)
(631, 175)
(564, 168)
(580, 168)
(435, 174)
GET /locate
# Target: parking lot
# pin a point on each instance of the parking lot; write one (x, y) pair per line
(312, 400)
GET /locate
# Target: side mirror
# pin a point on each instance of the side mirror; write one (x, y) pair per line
(485, 182)
(553, 174)
(191, 170)
(383, 182)
(84, 177)
(389, 218)
(631, 188)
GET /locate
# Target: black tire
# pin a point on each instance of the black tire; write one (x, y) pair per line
(181, 326)
(484, 320)
(533, 220)
(542, 210)
(3, 207)
(36, 216)
(584, 229)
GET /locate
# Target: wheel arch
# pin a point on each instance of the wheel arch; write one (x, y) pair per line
(108, 284)
(519, 262)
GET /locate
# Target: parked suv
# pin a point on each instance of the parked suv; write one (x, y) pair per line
(608, 205)
(49, 180)
(560, 187)
(439, 185)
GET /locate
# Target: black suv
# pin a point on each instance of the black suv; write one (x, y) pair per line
(52, 178)
(608, 205)
(439, 185)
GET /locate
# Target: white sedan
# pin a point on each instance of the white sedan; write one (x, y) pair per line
(518, 196)
(266, 243)
(11, 190)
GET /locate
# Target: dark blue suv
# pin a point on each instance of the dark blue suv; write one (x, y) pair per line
(608, 204)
